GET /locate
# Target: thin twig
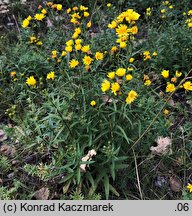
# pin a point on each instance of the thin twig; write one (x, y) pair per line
(137, 173)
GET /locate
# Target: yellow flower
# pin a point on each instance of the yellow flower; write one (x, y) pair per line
(112, 25)
(111, 75)
(147, 82)
(132, 95)
(129, 77)
(73, 63)
(188, 86)
(115, 87)
(99, 56)
(78, 47)
(163, 11)
(85, 48)
(154, 54)
(189, 187)
(31, 81)
(75, 8)
(131, 60)
(13, 73)
(59, 7)
(189, 12)
(78, 41)
(165, 73)
(134, 30)
(54, 53)
(86, 14)
(29, 18)
(68, 10)
(75, 35)
(89, 24)
(51, 75)
(83, 8)
(25, 23)
(130, 68)
(174, 79)
(87, 60)
(166, 112)
(69, 48)
(43, 11)
(123, 45)
(170, 87)
(93, 103)
(148, 11)
(122, 30)
(178, 74)
(69, 43)
(120, 72)
(171, 6)
(39, 16)
(63, 54)
(109, 5)
(39, 43)
(105, 86)
(33, 39)
(146, 55)
(114, 49)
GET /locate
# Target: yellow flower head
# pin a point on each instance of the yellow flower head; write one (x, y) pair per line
(25, 23)
(63, 54)
(187, 86)
(114, 49)
(59, 7)
(78, 47)
(120, 72)
(89, 24)
(105, 86)
(73, 63)
(123, 45)
(154, 54)
(43, 11)
(68, 48)
(109, 5)
(51, 75)
(29, 18)
(85, 48)
(131, 60)
(99, 56)
(147, 82)
(39, 16)
(115, 87)
(122, 30)
(68, 10)
(111, 75)
(93, 103)
(165, 73)
(129, 77)
(112, 25)
(166, 112)
(178, 74)
(87, 60)
(189, 187)
(69, 43)
(83, 8)
(170, 87)
(132, 95)
(13, 73)
(78, 41)
(31, 81)
(86, 14)
(148, 11)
